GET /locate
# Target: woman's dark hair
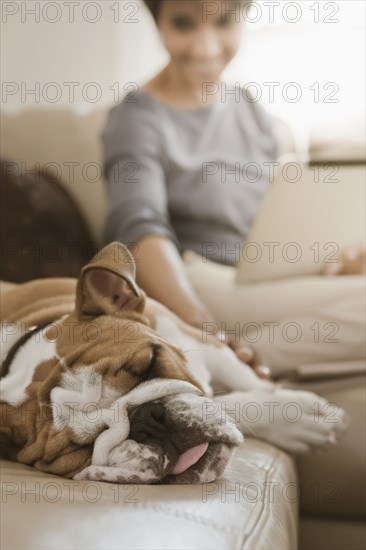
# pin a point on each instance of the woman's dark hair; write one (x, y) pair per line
(154, 6)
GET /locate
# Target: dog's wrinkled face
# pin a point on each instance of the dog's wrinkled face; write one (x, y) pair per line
(189, 432)
(124, 351)
(181, 438)
(113, 358)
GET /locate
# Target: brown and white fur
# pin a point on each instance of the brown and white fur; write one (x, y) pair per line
(107, 343)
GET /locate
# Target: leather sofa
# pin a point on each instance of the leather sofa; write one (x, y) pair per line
(266, 500)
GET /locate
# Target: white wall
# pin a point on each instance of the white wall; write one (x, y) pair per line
(122, 46)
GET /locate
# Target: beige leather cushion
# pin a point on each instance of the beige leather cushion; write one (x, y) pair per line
(252, 507)
(333, 482)
(54, 138)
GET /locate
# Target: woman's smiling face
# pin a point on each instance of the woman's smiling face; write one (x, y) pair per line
(201, 36)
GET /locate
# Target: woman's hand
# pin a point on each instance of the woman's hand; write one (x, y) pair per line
(351, 262)
(247, 355)
(251, 357)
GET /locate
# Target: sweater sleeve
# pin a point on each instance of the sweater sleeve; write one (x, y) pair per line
(135, 173)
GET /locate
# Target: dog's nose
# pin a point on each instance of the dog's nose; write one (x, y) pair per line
(149, 426)
(147, 422)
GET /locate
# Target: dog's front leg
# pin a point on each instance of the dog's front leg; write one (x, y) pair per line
(228, 371)
(293, 420)
(296, 421)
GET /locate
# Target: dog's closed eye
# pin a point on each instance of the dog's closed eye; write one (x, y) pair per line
(138, 367)
(154, 359)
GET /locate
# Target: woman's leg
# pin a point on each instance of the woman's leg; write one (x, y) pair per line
(291, 322)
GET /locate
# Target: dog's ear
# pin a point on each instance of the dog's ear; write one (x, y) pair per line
(107, 284)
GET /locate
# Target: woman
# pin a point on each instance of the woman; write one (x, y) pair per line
(162, 202)
(167, 132)
(163, 147)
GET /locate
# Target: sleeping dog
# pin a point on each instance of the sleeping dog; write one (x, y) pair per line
(100, 382)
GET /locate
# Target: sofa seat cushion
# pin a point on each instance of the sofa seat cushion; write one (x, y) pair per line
(253, 506)
(333, 483)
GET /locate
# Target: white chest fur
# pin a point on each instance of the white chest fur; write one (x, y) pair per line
(29, 356)
(194, 351)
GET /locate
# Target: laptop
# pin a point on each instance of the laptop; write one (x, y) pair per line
(308, 216)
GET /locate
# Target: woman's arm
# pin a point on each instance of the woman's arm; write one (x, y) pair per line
(160, 272)
(138, 213)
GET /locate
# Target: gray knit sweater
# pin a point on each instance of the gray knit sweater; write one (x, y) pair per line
(194, 176)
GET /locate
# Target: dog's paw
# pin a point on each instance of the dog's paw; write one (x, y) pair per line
(307, 422)
(295, 421)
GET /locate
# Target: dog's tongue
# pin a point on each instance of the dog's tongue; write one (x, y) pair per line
(190, 457)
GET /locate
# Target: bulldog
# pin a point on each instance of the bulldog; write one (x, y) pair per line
(100, 382)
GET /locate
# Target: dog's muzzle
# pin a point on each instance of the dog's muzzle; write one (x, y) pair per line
(181, 437)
